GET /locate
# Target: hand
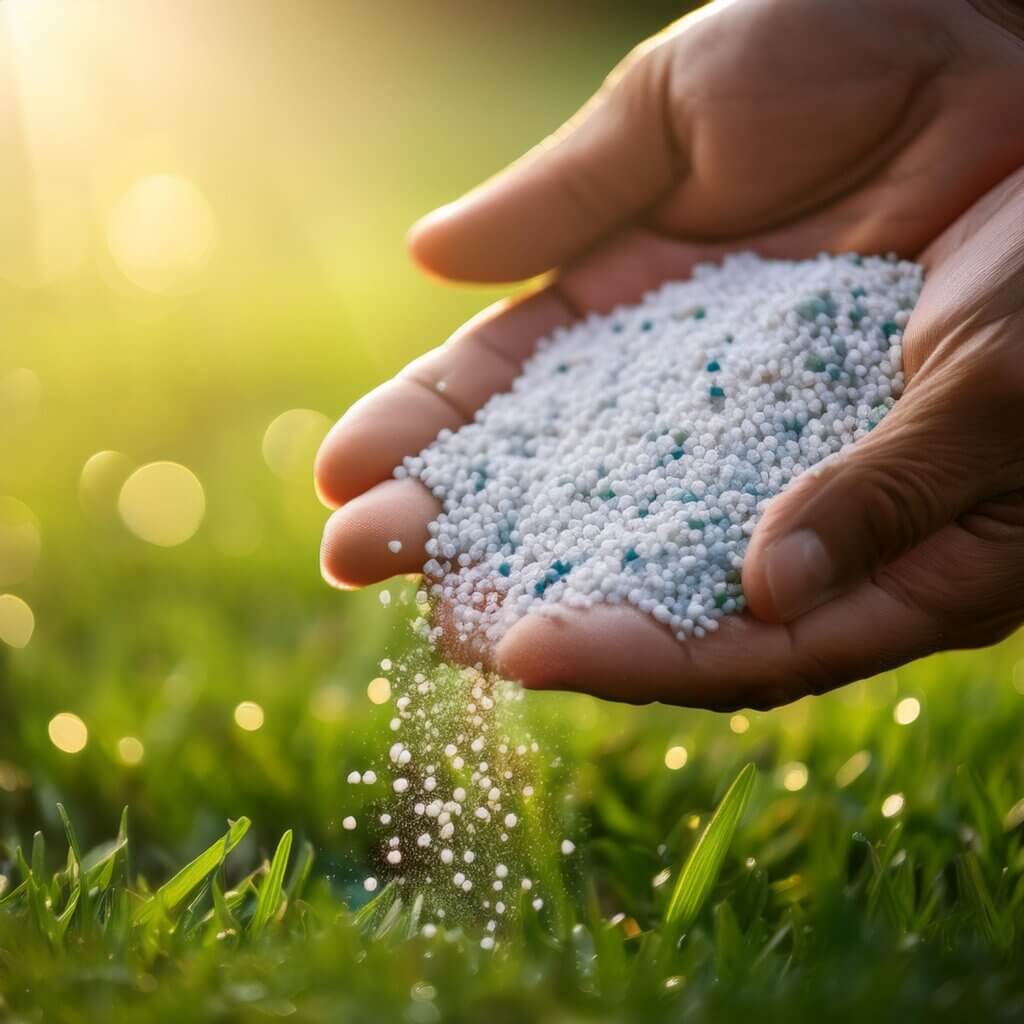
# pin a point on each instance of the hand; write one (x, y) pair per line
(786, 128)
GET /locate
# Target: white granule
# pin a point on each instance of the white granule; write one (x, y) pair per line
(511, 821)
(567, 847)
(538, 903)
(369, 778)
(394, 857)
(394, 546)
(348, 823)
(634, 455)
(487, 942)
(370, 884)
(385, 598)
(428, 931)
(400, 785)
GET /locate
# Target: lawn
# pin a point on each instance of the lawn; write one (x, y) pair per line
(217, 689)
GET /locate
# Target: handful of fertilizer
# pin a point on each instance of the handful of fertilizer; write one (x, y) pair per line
(634, 455)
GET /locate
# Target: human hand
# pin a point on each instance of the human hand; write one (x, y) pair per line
(688, 143)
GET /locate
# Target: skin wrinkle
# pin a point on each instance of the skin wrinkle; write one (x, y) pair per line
(1007, 15)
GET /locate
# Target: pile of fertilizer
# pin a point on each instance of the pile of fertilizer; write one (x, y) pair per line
(634, 455)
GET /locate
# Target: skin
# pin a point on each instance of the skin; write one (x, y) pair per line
(786, 127)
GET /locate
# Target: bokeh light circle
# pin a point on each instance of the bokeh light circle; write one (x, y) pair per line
(892, 805)
(379, 690)
(291, 441)
(249, 716)
(130, 750)
(794, 776)
(906, 711)
(161, 233)
(17, 623)
(675, 758)
(101, 480)
(19, 541)
(162, 503)
(68, 732)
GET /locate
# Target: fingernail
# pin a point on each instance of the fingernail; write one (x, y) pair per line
(799, 573)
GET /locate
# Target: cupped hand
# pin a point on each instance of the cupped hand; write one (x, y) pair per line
(786, 128)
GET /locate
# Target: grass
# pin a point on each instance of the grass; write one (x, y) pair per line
(885, 926)
(810, 902)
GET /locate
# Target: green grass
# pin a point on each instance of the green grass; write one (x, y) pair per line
(901, 924)
(318, 131)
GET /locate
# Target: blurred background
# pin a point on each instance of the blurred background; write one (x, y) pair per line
(202, 208)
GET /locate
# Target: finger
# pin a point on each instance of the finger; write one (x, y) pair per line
(442, 389)
(615, 158)
(377, 535)
(744, 663)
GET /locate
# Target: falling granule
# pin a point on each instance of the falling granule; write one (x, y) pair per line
(487, 942)
(348, 823)
(394, 546)
(538, 903)
(384, 597)
(568, 847)
(428, 931)
(635, 454)
(457, 776)
(370, 884)
(369, 778)
(354, 778)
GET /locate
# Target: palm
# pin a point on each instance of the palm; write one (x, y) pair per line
(788, 171)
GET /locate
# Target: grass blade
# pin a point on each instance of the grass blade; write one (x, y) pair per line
(189, 877)
(701, 869)
(300, 872)
(271, 894)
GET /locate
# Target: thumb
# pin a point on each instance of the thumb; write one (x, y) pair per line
(939, 452)
(615, 158)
